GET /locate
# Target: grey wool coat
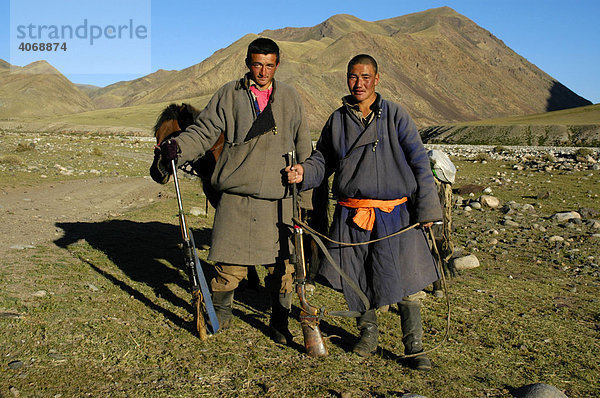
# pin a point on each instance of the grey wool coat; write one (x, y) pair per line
(252, 219)
(386, 160)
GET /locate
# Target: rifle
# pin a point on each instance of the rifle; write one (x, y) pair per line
(309, 314)
(201, 299)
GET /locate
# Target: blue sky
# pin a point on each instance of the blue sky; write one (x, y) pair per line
(562, 38)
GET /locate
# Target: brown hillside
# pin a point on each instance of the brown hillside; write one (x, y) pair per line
(38, 89)
(440, 65)
(88, 89)
(124, 93)
(4, 64)
(574, 126)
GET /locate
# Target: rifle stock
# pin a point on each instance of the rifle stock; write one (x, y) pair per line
(309, 314)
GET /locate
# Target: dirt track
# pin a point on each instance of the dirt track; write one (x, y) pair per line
(29, 214)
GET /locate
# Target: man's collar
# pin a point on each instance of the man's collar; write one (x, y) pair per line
(252, 83)
(350, 101)
(248, 82)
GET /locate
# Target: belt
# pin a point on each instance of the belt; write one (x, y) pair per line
(364, 216)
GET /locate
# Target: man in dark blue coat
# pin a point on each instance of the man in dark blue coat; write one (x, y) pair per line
(383, 183)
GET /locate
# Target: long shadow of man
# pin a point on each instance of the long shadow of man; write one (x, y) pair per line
(138, 250)
(141, 250)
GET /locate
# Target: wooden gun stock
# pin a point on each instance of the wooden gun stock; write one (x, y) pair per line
(309, 314)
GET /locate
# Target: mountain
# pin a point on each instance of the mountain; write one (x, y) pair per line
(38, 89)
(88, 89)
(4, 64)
(439, 64)
(197, 80)
(125, 93)
(568, 127)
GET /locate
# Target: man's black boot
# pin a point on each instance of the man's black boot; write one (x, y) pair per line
(369, 333)
(281, 303)
(223, 301)
(412, 330)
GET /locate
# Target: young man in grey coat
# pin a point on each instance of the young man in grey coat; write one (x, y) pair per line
(262, 120)
(383, 183)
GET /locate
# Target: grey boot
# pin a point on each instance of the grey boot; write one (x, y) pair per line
(223, 301)
(369, 333)
(281, 303)
(412, 330)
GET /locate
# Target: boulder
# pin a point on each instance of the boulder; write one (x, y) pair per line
(510, 223)
(528, 208)
(489, 201)
(595, 224)
(538, 390)
(587, 212)
(475, 205)
(565, 216)
(510, 207)
(466, 262)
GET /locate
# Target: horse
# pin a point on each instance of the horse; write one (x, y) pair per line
(171, 121)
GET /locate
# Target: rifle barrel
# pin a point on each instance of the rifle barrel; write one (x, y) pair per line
(183, 225)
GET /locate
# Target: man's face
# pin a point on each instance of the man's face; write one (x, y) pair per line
(262, 68)
(362, 80)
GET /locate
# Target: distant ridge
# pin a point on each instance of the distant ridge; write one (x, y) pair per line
(125, 93)
(37, 90)
(438, 64)
(568, 127)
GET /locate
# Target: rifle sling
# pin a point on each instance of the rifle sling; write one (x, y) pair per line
(349, 281)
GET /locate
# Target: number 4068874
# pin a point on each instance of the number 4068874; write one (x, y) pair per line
(43, 46)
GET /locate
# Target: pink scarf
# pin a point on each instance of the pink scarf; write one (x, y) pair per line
(262, 97)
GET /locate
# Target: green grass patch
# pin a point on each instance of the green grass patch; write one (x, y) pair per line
(116, 320)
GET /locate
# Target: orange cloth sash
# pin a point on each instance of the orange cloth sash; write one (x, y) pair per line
(364, 216)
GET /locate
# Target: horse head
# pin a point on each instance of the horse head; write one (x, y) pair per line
(173, 119)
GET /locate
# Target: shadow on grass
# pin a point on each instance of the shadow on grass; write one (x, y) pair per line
(338, 336)
(139, 250)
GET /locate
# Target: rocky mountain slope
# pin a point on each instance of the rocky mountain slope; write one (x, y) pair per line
(440, 65)
(38, 89)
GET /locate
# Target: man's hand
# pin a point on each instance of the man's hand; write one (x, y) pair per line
(169, 151)
(427, 224)
(295, 174)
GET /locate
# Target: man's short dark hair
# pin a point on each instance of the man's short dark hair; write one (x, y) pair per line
(262, 45)
(363, 59)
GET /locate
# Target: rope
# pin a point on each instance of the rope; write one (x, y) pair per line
(315, 235)
(312, 231)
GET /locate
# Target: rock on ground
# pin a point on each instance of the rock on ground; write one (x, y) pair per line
(566, 216)
(466, 262)
(539, 390)
(489, 201)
